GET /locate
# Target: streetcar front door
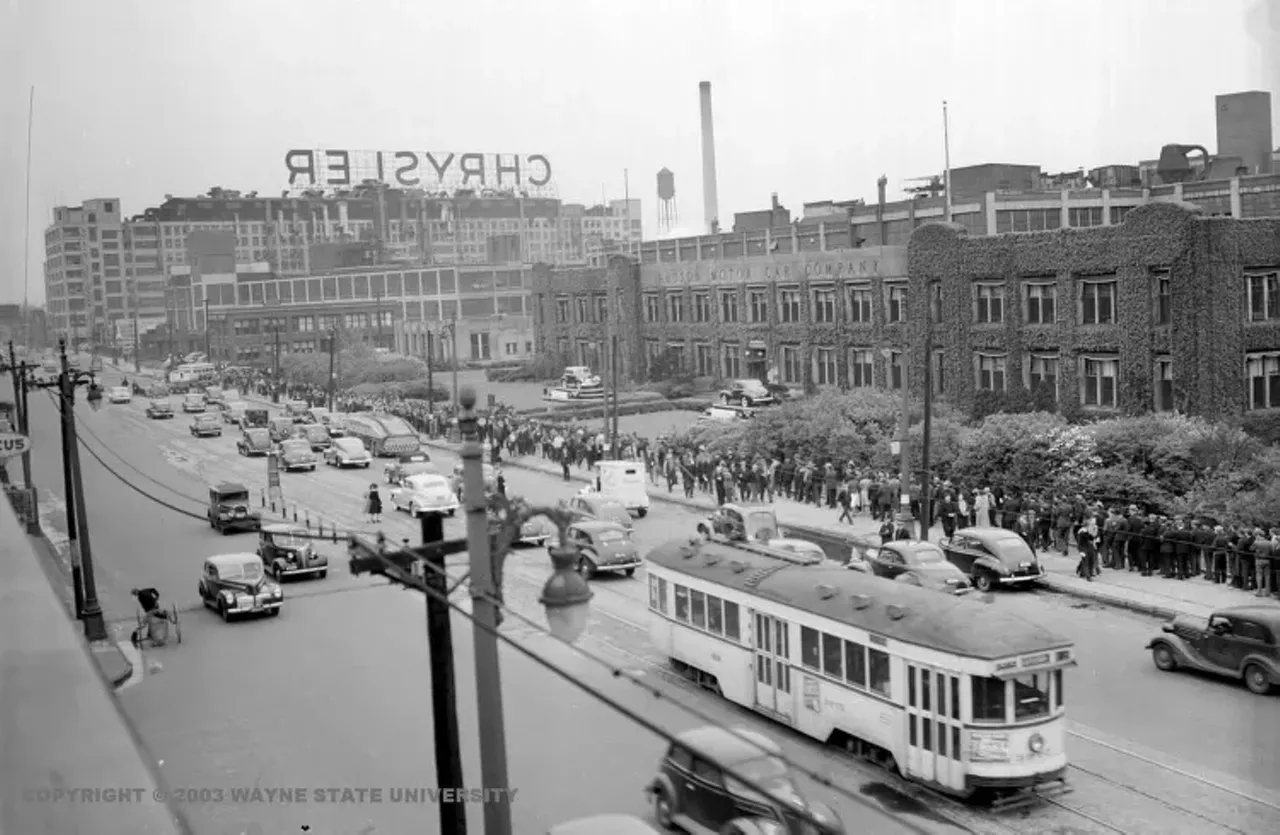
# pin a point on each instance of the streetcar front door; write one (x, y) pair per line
(933, 726)
(773, 670)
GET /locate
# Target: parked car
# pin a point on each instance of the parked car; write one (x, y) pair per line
(316, 435)
(296, 454)
(206, 426)
(287, 552)
(606, 547)
(347, 452)
(1241, 642)
(741, 522)
(916, 563)
(281, 429)
(230, 508)
(120, 394)
(425, 493)
(193, 403)
(234, 413)
(746, 393)
(993, 557)
(159, 409)
(590, 507)
(407, 465)
(801, 550)
(254, 443)
(296, 410)
(693, 793)
(234, 585)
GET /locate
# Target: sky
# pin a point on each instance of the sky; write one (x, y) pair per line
(813, 99)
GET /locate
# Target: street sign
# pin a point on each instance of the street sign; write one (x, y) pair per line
(11, 444)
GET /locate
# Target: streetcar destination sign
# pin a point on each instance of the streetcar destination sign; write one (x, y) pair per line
(11, 444)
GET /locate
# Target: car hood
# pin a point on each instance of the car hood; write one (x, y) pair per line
(352, 453)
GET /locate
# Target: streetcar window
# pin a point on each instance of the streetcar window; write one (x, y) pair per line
(988, 699)
(925, 692)
(698, 605)
(879, 671)
(1059, 694)
(833, 656)
(911, 730)
(731, 629)
(662, 595)
(955, 698)
(942, 739)
(942, 695)
(715, 615)
(911, 686)
(653, 592)
(1031, 696)
(957, 752)
(926, 733)
(682, 603)
(855, 664)
(810, 648)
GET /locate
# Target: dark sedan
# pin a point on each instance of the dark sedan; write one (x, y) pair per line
(916, 563)
(993, 557)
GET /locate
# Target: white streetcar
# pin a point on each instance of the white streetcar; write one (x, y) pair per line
(950, 692)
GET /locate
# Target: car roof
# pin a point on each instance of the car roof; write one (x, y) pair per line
(1263, 613)
(987, 535)
(229, 487)
(596, 824)
(897, 611)
(911, 546)
(227, 560)
(282, 527)
(728, 747)
(598, 526)
(429, 476)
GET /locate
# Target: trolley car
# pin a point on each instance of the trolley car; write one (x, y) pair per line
(949, 692)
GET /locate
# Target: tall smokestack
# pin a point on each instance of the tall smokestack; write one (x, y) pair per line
(710, 197)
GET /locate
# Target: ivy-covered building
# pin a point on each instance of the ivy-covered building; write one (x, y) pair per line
(1169, 309)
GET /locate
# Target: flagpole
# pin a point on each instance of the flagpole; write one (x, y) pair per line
(626, 195)
(946, 149)
(26, 233)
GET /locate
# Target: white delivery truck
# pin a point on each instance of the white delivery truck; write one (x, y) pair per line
(626, 483)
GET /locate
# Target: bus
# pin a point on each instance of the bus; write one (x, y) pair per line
(194, 373)
(948, 691)
(384, 435)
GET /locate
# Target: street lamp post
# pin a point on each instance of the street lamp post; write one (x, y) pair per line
(494, 524)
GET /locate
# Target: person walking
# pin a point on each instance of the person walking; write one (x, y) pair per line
(373, 504)
(1087, 540)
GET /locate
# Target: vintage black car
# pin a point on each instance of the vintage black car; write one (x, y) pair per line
(287, 552)
(592, 507)
(915, 563)
(281, 429)
(1242, 642)
(254, 443)
(159, 409)
(741, 522)
(315, 434)
(296, 411)
(231, 509)
(234, 585)
(693, 793)
(193, 403)
(255, 419)
(993, 557)
(606, 547)
(748, 393)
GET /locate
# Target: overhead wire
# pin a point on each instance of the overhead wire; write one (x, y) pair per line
(83, 427)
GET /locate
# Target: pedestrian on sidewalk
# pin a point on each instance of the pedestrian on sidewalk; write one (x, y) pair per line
(845, 499)
(373, 504)
(1087, 540)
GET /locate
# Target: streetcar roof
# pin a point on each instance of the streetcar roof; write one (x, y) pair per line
(728, 746)
(956, 625)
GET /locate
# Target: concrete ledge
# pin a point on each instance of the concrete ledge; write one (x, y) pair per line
(60, 726)
(1103, 596)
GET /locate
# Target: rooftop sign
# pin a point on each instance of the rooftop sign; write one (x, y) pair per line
(431, 171)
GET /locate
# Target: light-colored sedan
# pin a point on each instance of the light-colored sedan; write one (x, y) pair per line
(120, 394)
(347, 452)
(234, 413)
(425, 493)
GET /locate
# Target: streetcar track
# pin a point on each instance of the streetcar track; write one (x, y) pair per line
(1053, 801)
(1167, 804)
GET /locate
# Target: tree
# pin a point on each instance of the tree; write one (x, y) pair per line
(1035, 451)
(667, 366)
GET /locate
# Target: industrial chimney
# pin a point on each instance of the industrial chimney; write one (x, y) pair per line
(710, 197)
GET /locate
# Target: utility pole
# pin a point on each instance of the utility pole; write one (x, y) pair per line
(19, 373)
(453, 338)
(613, 379)
(926, 432)
(431, 376)
(377, 300)
(207, 355)
(95, 628)
(333, 356)
(275, 387)
(137, 360)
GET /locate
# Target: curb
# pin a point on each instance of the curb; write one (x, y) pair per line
(1113, 600)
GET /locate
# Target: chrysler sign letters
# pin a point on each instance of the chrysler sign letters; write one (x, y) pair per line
(429, 170)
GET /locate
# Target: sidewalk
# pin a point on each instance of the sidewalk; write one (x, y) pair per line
(1121, 589)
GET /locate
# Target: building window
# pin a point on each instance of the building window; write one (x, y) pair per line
(824, 304)
(1163, 388)
(728, 306)
(1264, 296)
(1098, 382)
(583, 309)
(1027, 220)
(1084, 217)
(896, 298)
(789, 307)
(731, 356)
(792, 372)
(675, 357)
(1041, 303)
(602, 308)
(511, 348)
(935, 301)
(1098, 302)
(562, 347)
(860, 368)
(652, 353)
(675, 307)
(1042, 374)
(1163, 314)
(895, 370)
(704, 359)
(757, 306)
(990, 371)
(988, 303)
(652, 308)
(1118, 213)
(860, 303)
(702, 307)
(825, 367)
(1263, 372)
(480, 345)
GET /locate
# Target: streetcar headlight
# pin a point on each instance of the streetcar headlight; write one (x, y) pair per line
(1036, 743)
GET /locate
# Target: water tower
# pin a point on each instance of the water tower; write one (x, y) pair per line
(667, 214)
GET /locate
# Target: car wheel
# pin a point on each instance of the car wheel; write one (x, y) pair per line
(704, 532)
(630, 572)
(745, 402)
(983, 582)
(366, 464)
(1163, 658)
(275, 613)
(586, 568)
(1257, 680)
(322, 574)
(222, 611)
(452, 512)
(724, 398)
(642, 512)
(662, 813)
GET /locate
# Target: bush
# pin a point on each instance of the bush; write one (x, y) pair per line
(1035, 451)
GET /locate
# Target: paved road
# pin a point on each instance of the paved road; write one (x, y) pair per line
(1116, 695)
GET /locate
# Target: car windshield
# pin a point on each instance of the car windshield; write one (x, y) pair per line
(806, 548)
(120, 390)
(245, 572)
(194, 398)
(295, 446)
(232, 498)
(611, 536)
(922, 555)
(611, 509)
(235, 407)
(207, 419)
(160, 404)
(288, 540)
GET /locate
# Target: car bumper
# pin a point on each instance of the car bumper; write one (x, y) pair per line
(257, 453)
(1021, 579)
(354, 462)
(298, 465)
(249, 523)
(300, 572)
(618, 567)
(319, 447)
(207, 433)
(257, 608)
